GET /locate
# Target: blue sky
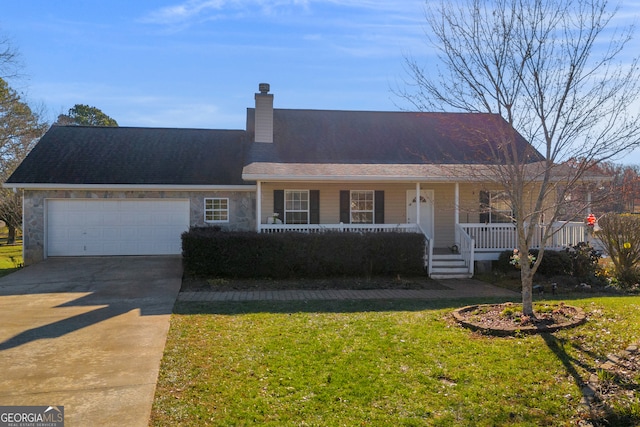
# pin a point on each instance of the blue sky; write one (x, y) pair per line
(197, 63)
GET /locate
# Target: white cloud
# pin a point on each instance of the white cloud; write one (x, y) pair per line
(181, 113)
(130, 109)
(182, 12)
(204, 10)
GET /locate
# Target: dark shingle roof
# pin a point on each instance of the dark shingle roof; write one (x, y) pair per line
(124, 155)
(307, 143)
(370, 137)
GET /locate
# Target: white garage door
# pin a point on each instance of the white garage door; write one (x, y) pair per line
(115, 227)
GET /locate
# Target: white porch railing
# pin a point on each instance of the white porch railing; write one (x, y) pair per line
(491, 237)
(342, 228)
(564, 234)
(428, 251)
(476, 241)
(500, 237)
(467, 248)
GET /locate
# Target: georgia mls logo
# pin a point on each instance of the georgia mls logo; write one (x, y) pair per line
(31, 416)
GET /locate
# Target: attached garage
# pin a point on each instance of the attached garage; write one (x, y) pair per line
(90, 227)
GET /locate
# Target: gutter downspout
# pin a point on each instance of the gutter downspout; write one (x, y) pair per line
(25, 241)
(258, 205)
(456, 212)
(418, 203)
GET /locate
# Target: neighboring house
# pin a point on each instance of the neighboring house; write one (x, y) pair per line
(132, 191)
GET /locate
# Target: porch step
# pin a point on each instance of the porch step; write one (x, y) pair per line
(449, 266)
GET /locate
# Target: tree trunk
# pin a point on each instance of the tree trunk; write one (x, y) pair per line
(11, 236)
(526, 278)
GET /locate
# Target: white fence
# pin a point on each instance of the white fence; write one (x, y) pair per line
(476, 241)
(342, 228)
(499, 237)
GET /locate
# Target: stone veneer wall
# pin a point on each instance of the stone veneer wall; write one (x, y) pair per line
(242, 208)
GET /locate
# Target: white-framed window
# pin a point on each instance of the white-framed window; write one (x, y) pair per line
(495, 207)
(296, 206)
(362, 206)
(216, 209)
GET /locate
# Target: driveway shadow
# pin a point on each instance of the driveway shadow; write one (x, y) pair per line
(115, 285)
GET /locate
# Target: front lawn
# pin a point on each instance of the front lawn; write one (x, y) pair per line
(10, 258)
(379, 363)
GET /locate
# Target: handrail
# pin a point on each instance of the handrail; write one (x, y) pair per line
(428, 250)
(467, 248)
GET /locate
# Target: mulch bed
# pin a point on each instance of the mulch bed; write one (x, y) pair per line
(507, 319)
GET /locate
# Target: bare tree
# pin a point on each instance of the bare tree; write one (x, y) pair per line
(623, 191)
(556, 72)
(8, 59)
(20, 129)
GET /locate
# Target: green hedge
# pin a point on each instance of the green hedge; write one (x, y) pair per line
(208, 252)
(554, 263)
(579, 261)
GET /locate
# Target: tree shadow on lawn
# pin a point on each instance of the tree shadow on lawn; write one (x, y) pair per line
(364, 305)
(325, 306)
(597, 410)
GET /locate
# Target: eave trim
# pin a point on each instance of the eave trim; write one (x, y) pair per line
(130, 187)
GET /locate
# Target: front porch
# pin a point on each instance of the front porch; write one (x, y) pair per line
(474, 241)
(463, 222)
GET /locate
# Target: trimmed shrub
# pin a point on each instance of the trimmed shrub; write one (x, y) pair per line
(503, 264)
(584, 262)
(553, 263)
(620, 235)
(210, 253)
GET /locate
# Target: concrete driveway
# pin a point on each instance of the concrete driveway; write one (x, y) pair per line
(87, 334)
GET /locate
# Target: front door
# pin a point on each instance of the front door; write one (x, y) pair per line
(426, 210)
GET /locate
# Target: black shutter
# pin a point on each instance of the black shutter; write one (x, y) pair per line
(278, 204)
(314, 206)
(378, 214)
(345, 211)
(484, 207)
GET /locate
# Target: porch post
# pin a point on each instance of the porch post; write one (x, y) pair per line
(418, 203)
(589, 212)
(258, 204)
(456, 211)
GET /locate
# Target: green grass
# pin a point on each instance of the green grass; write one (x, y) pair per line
(10, 255)
(379, 363)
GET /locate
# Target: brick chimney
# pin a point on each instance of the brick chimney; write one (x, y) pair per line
(264, 114)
